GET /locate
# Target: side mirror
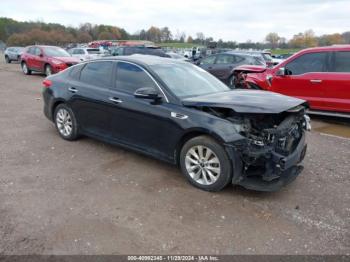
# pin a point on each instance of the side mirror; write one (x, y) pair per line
(281, 71)
(41, 55)
(147, 93)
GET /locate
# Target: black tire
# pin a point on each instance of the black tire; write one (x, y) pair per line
(25, 69)
(7, 60)
(231, 82)
(74, 134)
(225, 176)
(48, 70)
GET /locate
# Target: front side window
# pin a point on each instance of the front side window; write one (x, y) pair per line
(312, 62)
(131, 77)
(225, 59)
(208, 60)
(342, 62)
(98, 74)
(186, 80)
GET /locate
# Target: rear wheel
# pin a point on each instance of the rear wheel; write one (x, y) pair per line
(66, 123)
(25, 69)
(7, 59)
(205, 163)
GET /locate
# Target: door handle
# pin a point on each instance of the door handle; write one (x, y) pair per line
(73, 89)
(115, 100)
(316, 81)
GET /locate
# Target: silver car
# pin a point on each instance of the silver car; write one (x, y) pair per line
(13, 53)
(85, 54)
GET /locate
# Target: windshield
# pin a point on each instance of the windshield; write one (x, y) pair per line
(56, 52)
(186, 80)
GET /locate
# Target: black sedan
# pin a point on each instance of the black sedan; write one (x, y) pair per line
(179, 113)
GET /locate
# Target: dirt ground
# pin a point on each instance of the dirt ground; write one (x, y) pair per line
(87, 197)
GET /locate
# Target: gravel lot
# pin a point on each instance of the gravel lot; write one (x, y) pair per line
(87, 197)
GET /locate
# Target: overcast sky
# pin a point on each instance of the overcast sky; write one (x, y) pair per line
(225, 19)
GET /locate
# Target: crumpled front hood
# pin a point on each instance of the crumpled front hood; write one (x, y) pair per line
(246, 101)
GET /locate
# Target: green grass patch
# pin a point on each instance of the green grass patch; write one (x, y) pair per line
(284, 51)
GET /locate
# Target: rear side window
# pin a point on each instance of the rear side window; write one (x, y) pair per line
(341, 62)
(98, 74)
(131, 77)
(312, 62)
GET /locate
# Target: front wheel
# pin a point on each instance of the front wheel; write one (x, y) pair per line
(205, 163)
(66, 123)
(7, 60)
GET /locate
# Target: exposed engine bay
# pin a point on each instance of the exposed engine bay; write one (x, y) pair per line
(270, 139)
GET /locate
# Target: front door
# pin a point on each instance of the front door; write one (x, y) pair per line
(137, 122)
(306, 77)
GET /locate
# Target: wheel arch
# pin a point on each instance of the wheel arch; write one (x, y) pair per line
(191, 134)
(54, 106)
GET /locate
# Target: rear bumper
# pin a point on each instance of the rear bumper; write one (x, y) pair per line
(277, 171)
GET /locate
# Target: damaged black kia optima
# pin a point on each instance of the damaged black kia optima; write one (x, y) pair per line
(177, 112)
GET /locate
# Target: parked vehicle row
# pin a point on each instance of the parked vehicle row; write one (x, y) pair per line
(177, 112)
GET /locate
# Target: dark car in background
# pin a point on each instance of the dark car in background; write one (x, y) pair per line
(177, 112)
(13, 53)
(222, 65)
(142, 50)
(46, 59)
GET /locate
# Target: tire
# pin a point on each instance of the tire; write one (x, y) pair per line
(65, 122)
(48, 70)
(231, 82)
(25, 69)
(218, 164)
(7, 60)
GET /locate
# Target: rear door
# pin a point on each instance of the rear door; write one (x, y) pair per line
(90, 98)
(306, 78)
(337, 89)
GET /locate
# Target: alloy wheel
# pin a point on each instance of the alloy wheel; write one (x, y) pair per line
(25, 68)
(202, 165)
(64, 122)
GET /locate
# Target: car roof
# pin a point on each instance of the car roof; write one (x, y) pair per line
(329, 48)
(144, 59)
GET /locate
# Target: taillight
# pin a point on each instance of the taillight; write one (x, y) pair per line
(47, 83)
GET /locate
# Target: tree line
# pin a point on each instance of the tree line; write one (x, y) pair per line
(14, 32)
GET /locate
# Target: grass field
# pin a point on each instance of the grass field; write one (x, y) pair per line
(284, 51)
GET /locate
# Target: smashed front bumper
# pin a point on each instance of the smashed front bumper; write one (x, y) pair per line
(273, 170)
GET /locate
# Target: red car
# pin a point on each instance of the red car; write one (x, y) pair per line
(319, 75)
(46, 59)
